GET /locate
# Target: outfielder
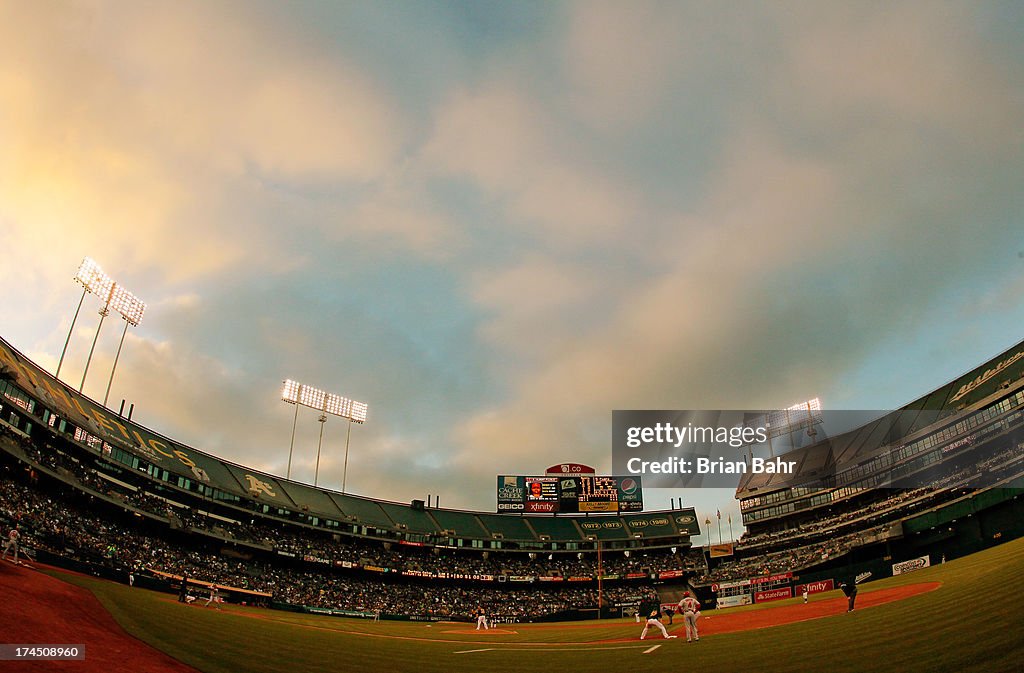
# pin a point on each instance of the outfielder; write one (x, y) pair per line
(690, 608)
(654, 619)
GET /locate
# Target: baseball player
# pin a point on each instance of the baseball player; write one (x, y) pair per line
(481, 619)
(214, 591)
(690, 608)
(654, 619)
(12, 543)
(850, 589)
(805, 593)
(183, 590)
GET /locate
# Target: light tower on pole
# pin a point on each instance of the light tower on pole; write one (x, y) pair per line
(131, 309)
(296, 393)
(785, 421)
(114, 296)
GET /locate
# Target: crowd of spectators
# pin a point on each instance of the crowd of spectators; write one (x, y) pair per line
(872, 512)
(308, 541)
(62, 521)
(65, 525)
(789, 560)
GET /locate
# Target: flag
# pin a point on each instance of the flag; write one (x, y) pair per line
(719, 513)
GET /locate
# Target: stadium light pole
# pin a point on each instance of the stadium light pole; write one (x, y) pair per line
(316, 472)
(287, 395)
(131, 310)
(344, 471)
(93, 280)
(78, 310)
(104, 312)
(297, 393)
(107, 288)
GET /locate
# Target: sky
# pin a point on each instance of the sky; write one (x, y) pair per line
(495, 223)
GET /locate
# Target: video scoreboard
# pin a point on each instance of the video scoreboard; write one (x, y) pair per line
(569, 494)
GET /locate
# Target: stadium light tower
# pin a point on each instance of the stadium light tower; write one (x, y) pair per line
(296, 393)
(805, 414)
(131, 308)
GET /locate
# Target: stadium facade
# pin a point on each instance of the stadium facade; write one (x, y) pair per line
(937, 479)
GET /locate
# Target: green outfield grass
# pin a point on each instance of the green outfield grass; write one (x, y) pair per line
(973, 622)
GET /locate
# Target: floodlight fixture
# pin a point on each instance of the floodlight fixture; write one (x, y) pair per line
(92, 278)
(290, 391)
(799, 415)
(300, 394)
(783, 421)
(294, 392)
(358, 413)
(314, 398)
(128, 305)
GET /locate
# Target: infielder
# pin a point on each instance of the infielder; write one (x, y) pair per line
(850, 589)
(12, 543)
(654, 619)
(481, 619)
(690, 607)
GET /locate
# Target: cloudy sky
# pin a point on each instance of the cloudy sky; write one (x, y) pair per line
(497, 222)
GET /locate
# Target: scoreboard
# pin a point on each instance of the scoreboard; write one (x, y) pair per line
(569, 494)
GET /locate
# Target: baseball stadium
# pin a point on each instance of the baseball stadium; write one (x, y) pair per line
(156, 556)
(464, 336)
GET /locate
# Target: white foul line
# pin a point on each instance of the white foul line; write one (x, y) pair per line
(486, 649)
(651, 649)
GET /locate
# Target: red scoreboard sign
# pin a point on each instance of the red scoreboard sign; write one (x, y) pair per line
(569, 469)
